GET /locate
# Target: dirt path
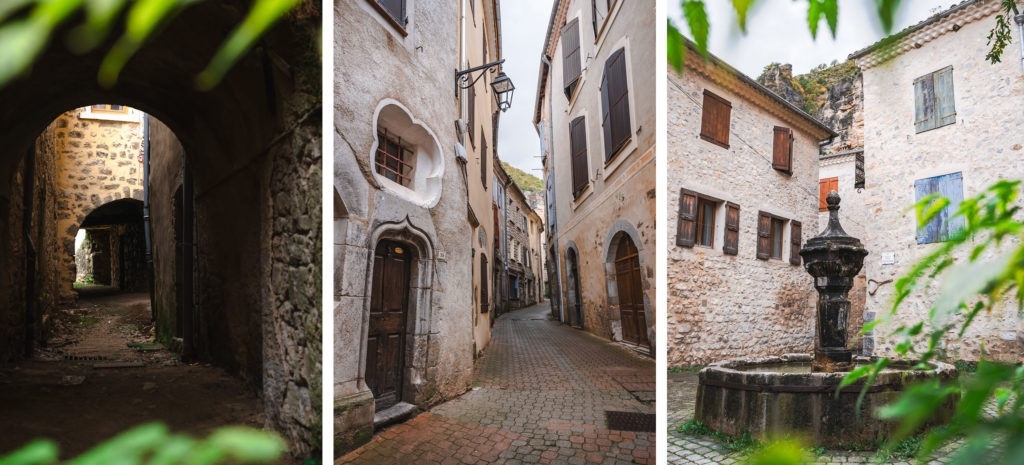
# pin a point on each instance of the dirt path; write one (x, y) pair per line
(89, 385)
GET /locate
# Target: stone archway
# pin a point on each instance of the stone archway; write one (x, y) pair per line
(622, 235)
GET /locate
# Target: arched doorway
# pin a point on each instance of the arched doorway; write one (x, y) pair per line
(630, 292)
(389, 316)
(576, 303)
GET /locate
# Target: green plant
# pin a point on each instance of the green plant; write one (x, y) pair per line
(976, 270)
(26, 26)
(685, 369)
(744, 444)
(154, 444)
(85, 321)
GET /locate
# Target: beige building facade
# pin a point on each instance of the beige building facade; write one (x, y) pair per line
(736, 284)
(596, 120)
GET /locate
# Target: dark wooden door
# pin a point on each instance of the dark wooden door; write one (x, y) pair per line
(631, 299)
(389, 308)
(575, 283)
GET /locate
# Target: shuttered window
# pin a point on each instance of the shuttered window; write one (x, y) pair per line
(934, 105)
(782, 158)
(571, 56)
(483, 158)
(686, 224)
(770, 230)
(944, 225)
(615, 104)
(578, 149)
(714, 120)
(705, 223)
(599, 10)
(394, 11)
(824, 187)
(795, 239)
(484, 298)
(471, 112)
(732, 229)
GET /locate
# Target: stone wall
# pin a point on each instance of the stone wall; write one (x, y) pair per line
(980, 145)
(723, 306)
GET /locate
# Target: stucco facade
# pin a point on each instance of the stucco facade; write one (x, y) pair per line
(983, 144)
(723, 305)
(618, 201)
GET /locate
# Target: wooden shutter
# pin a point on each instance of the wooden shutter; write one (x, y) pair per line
(924, 103)
(824, 187)
(483, 158)
(714, 123)
(578, 149)
(471, 112)
(686, 224)
(942, 226)
(795, 230)
(732, 229)
(764, 227)
(593, 16)
(782, 158)
(484, 298)
(615, 104)
(571, 56)
(945, 103)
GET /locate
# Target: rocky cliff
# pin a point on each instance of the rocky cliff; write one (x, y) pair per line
(833, 94)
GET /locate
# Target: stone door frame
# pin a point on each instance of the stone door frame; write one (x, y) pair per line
(622, 228)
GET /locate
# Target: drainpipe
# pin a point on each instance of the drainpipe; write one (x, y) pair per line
(1020, 29)
(554, 213)
(187, 254)
(146, 220)
(30, 249)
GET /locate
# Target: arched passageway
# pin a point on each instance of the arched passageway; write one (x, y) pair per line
(230, 181)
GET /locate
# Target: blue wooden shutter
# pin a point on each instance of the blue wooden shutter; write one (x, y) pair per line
(943, 226)
(946, 104)
(924, 103)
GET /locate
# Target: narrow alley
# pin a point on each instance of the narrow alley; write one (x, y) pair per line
(541, 393)
(102, 371)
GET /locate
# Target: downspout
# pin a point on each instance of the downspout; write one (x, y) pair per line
(188, 349)
(1020, 29)
(146, 220)
(30, 249)
(551, 150)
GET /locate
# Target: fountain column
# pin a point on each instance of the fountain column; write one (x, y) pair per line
(833, 258)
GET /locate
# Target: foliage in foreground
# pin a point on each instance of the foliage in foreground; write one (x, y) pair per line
(27, 26)
(154, 444)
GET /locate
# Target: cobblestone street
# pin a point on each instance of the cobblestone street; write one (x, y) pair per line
(539, 395)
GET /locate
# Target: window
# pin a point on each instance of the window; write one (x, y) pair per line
(471, 112)
(795, 238)
(824, 187)
(394, 11)
(483, 158)
(770, 234)
(777, 226)
(578, 154)
(394, 158)
(615, 104)
(111, 112)
(782, 152)
(108, 108)
(934, 104)
(944, 225)
(571, 70)
(599, 10)
(714, 120)
(705, 223)
(484, 299)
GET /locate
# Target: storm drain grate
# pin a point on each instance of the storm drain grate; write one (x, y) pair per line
(85, 358)
(630, 421)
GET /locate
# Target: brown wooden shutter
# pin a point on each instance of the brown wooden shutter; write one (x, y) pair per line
(732, 229)
(471, 112)
(822, 194)
(782, 155)
(484, 298)
(714, 124)
(615, 104)
(593, 16)
(686, 225)
(578, 149)
(764, 227)
(571, 67)
(795, 240)
(483, 158)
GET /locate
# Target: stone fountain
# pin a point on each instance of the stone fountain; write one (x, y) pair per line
(796, 393)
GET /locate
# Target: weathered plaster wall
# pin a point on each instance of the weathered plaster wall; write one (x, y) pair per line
(416, 73)
(166, 165)
(723, 306)
(624, 188)
(988, 100)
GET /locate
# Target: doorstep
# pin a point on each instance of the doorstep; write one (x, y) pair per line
(394, 414)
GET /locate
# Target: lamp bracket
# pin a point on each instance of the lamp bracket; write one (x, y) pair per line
(464, 79)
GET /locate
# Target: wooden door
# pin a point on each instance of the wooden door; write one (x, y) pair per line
(631, 299)
(389, 309)
(574, 270)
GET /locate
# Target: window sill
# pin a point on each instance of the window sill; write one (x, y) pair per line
(619, 157)
(576, 91)
(579, 199)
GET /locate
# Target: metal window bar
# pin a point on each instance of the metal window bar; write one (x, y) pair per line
(393, 158)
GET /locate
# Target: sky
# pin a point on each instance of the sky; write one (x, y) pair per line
(776, 32)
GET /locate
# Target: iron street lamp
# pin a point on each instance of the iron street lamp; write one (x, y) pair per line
(502, 85)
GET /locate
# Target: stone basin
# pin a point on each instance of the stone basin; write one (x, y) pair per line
(774, 396)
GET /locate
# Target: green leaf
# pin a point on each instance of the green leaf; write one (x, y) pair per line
(887, 13)
(143, 18)
(780, 453)
(830, 8)
(125, 448)
(675, 49)
(742, 7)
(38, 452)
(963, 282)
(697, 20)
(813, 16)
(248, 444)
(262, 16)
(100, 14)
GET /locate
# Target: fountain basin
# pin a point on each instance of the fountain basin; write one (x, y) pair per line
(775, 396)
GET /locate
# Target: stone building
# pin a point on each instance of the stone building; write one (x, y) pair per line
(938, 118)
(253, 143)
(595, 116)
(736, 287)
(523, 227)
(414, 230)
(499, 210)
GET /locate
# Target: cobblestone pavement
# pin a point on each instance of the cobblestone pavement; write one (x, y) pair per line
(689, 449)
(539, 396)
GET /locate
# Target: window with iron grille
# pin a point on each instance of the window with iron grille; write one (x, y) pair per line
(394, 158)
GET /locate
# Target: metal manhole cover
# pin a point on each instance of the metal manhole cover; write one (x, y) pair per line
(630, 421)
